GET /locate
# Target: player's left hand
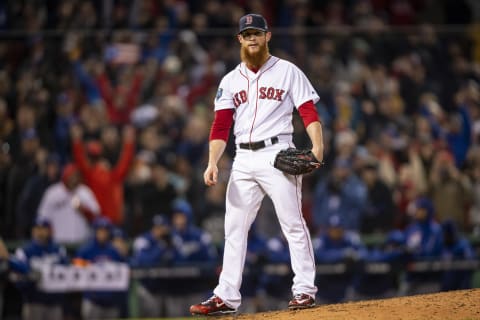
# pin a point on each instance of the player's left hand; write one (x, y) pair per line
(295, 161)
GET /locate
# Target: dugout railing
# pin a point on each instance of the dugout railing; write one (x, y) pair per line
(185, 279)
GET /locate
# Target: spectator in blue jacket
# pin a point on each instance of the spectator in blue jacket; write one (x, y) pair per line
(336, 247)
(37, 253)
(455, 128)
(195, 248)
(341, 193)
(193, 244)
(455, 248)
(424, 241)
(382, 269)
(101, 304)
(424, 237)
(152, 249)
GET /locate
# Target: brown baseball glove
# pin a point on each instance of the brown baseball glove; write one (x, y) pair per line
(295, 161)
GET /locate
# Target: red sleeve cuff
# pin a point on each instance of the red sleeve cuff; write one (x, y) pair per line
(308, 112)
(221, 124)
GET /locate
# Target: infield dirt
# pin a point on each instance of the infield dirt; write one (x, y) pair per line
(454, 305)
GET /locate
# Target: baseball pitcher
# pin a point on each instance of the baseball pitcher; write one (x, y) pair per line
(260, 94)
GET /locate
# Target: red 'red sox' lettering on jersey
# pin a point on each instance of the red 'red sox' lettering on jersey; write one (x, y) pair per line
(239, 98)
(271, 93)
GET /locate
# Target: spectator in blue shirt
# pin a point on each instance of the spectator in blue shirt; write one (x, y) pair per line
(455, 248)
(193, 244)
(336, 246)
(424, 241)
(152, 249)
(424, 235)
(41, 251)
(101, 304)
(195, 248)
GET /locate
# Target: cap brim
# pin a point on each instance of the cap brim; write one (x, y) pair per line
(247, 28)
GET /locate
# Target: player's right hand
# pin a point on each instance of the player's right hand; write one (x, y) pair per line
(211, 175)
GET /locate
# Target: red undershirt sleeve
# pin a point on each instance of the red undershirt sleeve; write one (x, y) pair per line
(308, 112)
(221, 124)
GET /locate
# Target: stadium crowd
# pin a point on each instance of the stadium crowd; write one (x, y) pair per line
(105, 109)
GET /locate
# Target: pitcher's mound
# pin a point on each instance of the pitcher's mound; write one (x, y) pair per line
(453, 305)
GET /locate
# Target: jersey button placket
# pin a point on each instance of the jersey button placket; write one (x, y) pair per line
(254, 104)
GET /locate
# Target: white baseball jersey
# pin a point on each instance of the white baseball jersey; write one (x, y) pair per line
(264, 101)
(69, 225)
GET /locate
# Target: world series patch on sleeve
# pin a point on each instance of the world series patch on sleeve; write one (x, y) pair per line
(295, 161)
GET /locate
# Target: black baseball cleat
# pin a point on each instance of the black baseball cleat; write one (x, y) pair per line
(301, 301)
(214, 306)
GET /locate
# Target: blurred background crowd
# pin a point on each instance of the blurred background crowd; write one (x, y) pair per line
(105, 112)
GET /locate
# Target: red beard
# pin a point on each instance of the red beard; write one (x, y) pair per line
(254, 59)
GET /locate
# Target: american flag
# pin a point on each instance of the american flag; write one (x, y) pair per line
(123, 53)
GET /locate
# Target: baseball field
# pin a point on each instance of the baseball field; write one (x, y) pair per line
(454, 305)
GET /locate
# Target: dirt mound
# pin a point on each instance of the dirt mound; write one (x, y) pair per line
(454, 305)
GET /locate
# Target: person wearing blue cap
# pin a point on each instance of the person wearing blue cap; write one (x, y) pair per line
(424, 235)
(100, 304)
(424, 241)
(154, 248)
(194, 247)
(193, 244)
(37, 253)
(336, 245)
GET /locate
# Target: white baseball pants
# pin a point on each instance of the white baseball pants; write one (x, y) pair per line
(253, 176)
